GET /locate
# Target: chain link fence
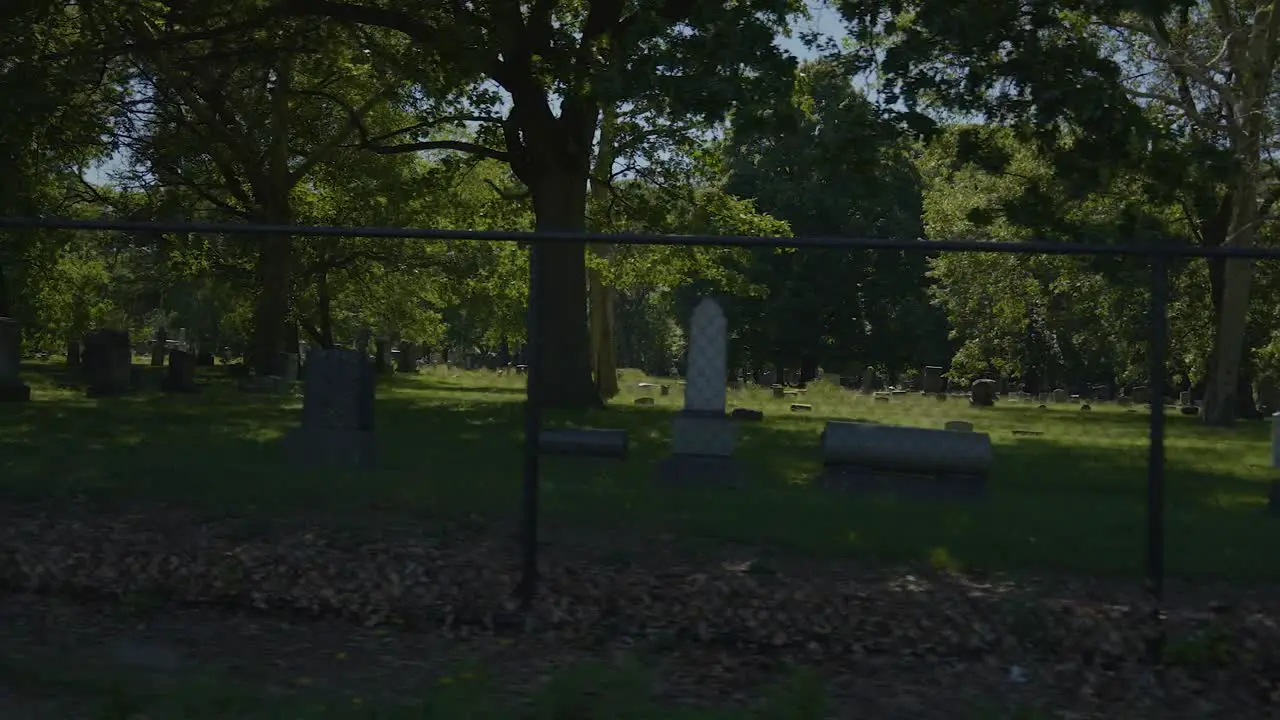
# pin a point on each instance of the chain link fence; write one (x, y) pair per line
(714, 426)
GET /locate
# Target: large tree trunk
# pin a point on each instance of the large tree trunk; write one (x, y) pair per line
(275, 258)
(603, 297)
(563, 359)
(1221, 401)
(324, 307)
(1222, 395)
(271, 311)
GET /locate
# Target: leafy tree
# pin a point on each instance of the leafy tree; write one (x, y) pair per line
(52, 127)
(558, 63)
(832, 164)
(1133, 84)
(241, 120)
(1052, 321)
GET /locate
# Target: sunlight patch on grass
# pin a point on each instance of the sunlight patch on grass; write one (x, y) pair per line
(1072, 497)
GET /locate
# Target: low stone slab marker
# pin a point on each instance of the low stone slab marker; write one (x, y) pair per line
(905, 461)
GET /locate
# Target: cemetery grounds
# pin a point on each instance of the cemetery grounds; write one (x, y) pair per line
(161, 560)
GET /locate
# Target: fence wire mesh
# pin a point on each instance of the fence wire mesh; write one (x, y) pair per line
(764, 419)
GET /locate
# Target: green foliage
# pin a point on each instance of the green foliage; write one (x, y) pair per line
(1056, 319)
(74, 295)
(831, 165)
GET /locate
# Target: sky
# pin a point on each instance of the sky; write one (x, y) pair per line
(823, 20)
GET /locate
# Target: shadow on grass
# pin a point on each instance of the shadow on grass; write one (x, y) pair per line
(1056, 503)
(435, 385)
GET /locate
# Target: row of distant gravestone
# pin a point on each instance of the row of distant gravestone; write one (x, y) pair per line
(103, 358)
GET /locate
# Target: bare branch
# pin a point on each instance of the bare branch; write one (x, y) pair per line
(370, 143)
(437, 122)
(1192, 112)
(453, 145)
(355, 122)
(1177, 60)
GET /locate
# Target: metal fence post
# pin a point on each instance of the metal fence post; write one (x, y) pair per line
(1155, 454)
(532, 427)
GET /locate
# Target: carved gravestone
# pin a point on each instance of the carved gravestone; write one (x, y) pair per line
(73, 356)
(1060, 395)
(703, 435)
(868, 380)
(382, 355)
(12, 389)
(931, 381)
(108, 362)
(181, 377)
(157, 353)
(288, 364)
(337, 412)
(983, 392)
(407, 361)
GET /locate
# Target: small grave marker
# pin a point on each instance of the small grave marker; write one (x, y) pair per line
(12, 389)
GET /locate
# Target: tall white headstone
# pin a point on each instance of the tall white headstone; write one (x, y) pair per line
(703, 429)
(708, 358)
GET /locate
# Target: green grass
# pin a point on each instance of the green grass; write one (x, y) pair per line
(1070, 499)
(587, 691)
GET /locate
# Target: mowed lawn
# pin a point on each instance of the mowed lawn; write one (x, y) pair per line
(1070, 499)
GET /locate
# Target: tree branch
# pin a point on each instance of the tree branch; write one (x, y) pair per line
(1177, 61)
(429, 124)
(355, 121)
(1192, 112)
(453, 145)
(403, 22)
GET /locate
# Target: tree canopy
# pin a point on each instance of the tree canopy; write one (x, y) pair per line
(1072, 120)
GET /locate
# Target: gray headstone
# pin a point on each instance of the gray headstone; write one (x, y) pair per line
(337, 411)
(181, 377)
(12, 389)
(407, 361)
(107, 361)
(73, 355)
(339, 391)
(932, 380)
(983, 392)
(289, 367)
(868, 380)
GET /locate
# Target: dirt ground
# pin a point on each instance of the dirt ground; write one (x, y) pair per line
(101, 603)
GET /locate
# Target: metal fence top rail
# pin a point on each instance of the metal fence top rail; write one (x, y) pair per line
(1030, 247)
